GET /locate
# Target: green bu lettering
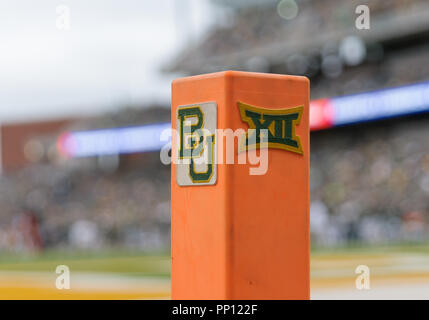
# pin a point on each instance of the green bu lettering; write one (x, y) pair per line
(196, 127)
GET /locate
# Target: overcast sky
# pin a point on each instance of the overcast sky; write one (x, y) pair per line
(109, 56)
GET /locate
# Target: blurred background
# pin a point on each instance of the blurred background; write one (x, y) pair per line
(85, 95)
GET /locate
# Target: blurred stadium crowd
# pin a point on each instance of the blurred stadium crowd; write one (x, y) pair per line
(321, 42)
(369, 182)
(84, 203)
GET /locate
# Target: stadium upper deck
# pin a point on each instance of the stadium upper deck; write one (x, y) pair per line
(321, 42)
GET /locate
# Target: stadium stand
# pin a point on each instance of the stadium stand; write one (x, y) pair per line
(115, 200)
(369, 182)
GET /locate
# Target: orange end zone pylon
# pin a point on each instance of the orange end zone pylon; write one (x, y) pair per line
(237, 234)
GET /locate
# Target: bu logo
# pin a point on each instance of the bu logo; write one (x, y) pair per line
(279, 123)
(196, 127)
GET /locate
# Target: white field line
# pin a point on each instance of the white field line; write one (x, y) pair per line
(86, 281)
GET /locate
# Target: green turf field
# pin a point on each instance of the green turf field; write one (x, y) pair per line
(119, 262)
(136, 263)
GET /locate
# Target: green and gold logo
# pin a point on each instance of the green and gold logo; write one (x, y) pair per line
(279, 126)
(196, 125)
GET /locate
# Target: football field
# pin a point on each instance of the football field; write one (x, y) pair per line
(400, 272)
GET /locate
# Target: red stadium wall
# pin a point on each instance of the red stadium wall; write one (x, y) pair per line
(15, 136)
